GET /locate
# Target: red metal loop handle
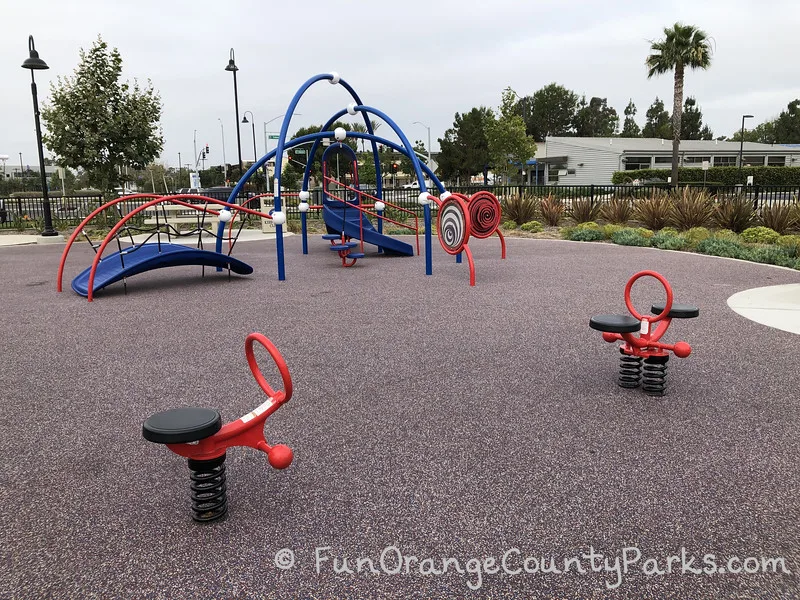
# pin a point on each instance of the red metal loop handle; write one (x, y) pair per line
(279, 362)
(663, 282)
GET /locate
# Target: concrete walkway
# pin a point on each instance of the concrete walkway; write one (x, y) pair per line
(775, 306)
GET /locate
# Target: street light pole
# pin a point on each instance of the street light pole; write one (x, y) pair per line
(233, 68)
(266, 142)
(741, 144)
(196, 155)
(224, 160)
(34, 63)
(252, 121)
(429, 142)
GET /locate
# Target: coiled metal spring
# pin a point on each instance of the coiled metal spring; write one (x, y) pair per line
(630, 370)
(655, 375)
(209, 495)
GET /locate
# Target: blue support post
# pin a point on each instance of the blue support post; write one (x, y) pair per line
(304, 230)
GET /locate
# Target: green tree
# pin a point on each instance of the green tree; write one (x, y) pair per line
(464, 150)
(787, 125)
(657, 124)
(551, 112)
(595, 119)
(683, 46)
(629, 128)
(692, 127)
(509, 145)
(763, 133)
(100, 124)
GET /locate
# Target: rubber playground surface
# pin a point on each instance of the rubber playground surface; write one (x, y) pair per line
(432, 424)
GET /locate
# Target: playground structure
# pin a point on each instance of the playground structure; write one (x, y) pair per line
(346, 212)
(198, 435)
(646, 347)
(349, 217)
(147, 255)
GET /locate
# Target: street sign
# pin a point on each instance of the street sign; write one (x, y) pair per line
(705, 165)
(274, 137)
(300, 151)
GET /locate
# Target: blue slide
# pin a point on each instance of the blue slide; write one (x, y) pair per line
(146, 257)
(339, 219)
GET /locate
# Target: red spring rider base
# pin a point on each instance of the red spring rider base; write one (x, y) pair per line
(646, 347)
(198, 434)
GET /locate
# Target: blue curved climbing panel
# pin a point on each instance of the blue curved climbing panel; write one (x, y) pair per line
(146, 257)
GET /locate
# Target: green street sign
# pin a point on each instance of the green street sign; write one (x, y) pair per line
(274, 137)
(300, 151)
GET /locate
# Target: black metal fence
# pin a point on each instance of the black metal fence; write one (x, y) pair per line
(24, 213)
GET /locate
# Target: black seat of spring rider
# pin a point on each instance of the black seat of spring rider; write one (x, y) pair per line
(181, 425)
(615, 323)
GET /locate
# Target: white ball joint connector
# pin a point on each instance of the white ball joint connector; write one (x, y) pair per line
(225, 215)
(334, 78)
(278, 217)
(379, 206)
(340, 134)
(303, 206)
(424, 199)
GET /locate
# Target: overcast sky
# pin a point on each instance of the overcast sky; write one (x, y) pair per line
(415, 60)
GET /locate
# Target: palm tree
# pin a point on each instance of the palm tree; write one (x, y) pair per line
(683, 46)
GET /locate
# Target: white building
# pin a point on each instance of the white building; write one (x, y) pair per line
(586, 161)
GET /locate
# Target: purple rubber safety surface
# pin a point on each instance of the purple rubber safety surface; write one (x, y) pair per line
(443, 420)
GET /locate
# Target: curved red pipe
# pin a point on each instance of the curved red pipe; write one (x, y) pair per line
(85, 222)
(176, 199)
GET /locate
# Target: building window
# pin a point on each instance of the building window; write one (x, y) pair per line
(663, 160)
(633, 163)
(776, 161)
(556, 171)
(725, 161)
(753, 161)
(696, 160)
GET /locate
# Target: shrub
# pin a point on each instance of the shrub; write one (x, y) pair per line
(726, 248)
(588, 225)
(644, 232)
(696, 235)
(690, 208)
(671, 230)
(583, 210)
(771, 255)
(585, 235)
(552, 210)
(509, 225)
(630, 237)
(668, 241)
(294, 226)
(610, 229)
(734, 213)
(729, 176)
(725, 234)
(653, 212)
(790, 243)
(519, 208)
(778, 217)
(532, 227)
(617, 210)
(760, 235)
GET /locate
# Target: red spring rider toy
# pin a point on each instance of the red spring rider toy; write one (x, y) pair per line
(198, 434)
(646, 347)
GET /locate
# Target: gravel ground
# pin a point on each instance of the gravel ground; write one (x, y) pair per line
(429, 419)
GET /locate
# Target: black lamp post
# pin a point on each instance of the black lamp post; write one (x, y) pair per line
(741, 144)
(233, 68)
(34, 63)
(255, 150)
